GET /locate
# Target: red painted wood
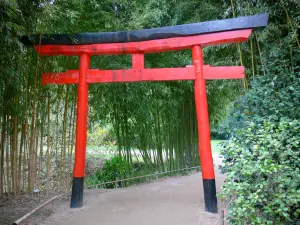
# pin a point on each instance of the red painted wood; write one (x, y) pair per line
(223, 72)
(68, 77)
(161, 45)
(138, 61)
(136, 75)
(82, 112)
(160, 74)
(204, 145)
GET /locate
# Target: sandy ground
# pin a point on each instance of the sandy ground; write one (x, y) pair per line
(169, 201)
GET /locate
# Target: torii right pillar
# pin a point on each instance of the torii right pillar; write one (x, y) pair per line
(204, 145)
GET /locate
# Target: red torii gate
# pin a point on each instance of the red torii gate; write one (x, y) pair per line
(197, 72)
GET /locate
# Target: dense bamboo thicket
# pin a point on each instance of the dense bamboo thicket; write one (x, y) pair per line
(37, 123)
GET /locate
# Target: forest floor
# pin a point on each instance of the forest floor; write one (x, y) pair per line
(175, 200)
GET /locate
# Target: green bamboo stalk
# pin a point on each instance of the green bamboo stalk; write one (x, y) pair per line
(239, 47)
(252, 58)
(3, 138)
(48, 153)
(64, 150)
(260, 54)
(292, 26)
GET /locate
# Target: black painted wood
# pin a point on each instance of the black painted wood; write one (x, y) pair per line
(246, 22)
(77, 192)
(210, 195)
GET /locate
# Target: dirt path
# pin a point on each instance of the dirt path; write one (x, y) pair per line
(170, 201)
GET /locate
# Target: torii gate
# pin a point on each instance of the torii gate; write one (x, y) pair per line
(137, 43)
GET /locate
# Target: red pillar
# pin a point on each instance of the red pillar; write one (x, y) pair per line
(204, 146)
(81, 132)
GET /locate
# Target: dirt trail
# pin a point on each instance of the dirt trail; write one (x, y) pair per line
(170, 201)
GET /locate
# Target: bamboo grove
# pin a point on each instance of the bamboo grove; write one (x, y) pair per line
(156, 119)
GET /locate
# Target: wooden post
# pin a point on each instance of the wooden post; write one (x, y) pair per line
(116, 183)
(204, 146)
(222, 217)
(81, 133)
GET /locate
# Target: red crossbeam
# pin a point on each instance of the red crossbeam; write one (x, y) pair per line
(161, 45)
(136, 75)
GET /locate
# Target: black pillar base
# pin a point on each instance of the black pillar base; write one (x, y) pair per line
(210, 197)
(77, 192)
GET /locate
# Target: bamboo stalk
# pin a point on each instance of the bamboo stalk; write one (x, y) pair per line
(3, 137)
(8, 183)
(25, 162)
(292, 26)
(239, 47)
(25, 134)
(71, 120)
(41, 154)
(252, 58)
(260, 54)
(65, 118)
(14, 150)
(20, 159)
(56, 132)
(72, 139)
(36, 144)
(31, 168)
(48, 164)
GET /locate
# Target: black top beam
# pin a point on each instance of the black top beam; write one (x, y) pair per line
(240, 23)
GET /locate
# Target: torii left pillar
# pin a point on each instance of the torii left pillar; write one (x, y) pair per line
(81, 132)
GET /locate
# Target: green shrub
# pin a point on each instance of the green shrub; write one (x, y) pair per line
(273, 96)
(111, 172)
(263, 173)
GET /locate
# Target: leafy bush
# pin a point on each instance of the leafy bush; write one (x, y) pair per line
(111, 172)
(273, 96)
(262, 158)
(263, 174)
